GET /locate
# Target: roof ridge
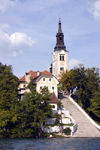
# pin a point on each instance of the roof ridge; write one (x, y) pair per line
(34, 74)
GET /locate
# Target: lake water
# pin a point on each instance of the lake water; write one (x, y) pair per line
(51, 144)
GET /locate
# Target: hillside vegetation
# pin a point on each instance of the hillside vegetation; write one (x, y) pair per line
(84, 86)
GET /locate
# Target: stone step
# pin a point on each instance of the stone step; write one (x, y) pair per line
(85, 127)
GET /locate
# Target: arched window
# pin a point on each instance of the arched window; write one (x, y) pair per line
(61, 57)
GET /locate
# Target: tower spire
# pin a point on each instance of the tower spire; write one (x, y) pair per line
(59, 29)
(60, 39)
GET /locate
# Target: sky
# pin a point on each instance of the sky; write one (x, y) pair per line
(28, 31)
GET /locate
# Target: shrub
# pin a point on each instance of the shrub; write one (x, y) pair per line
(67, 131)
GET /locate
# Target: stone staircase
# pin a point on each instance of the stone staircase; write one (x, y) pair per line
(85, 127)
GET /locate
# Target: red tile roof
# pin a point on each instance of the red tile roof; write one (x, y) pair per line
(34, 74)
(53, 98)
(45, 72)
(22, 79)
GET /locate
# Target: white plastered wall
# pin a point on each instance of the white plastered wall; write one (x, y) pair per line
(56, 63)
(49, 84)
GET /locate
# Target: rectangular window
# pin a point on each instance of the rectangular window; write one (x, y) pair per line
(61, 57)
(61, 68)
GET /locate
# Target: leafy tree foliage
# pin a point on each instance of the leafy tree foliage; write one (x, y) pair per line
(67, 131)
(66, 81)
(8, 98)
(46, 97)
(80, 80)
(8, 87)
(87, 82)
(94, 108)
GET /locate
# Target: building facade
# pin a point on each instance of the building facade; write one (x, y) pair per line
(41, 79)
(59, 55)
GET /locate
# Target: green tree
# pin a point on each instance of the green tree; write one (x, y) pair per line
(94, 108)
(66, 81)
(8, 87)
(8, 98)
(93, 80)
(46, 97)
(31, 112)
(81, 80)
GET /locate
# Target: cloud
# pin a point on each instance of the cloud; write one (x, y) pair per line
(95, 9)
(19, 39)
(74, 63)
(13, 44)
(4, 4)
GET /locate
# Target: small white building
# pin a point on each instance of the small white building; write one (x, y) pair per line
(53, 102)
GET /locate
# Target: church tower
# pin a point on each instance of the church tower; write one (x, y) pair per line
(59, 55)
